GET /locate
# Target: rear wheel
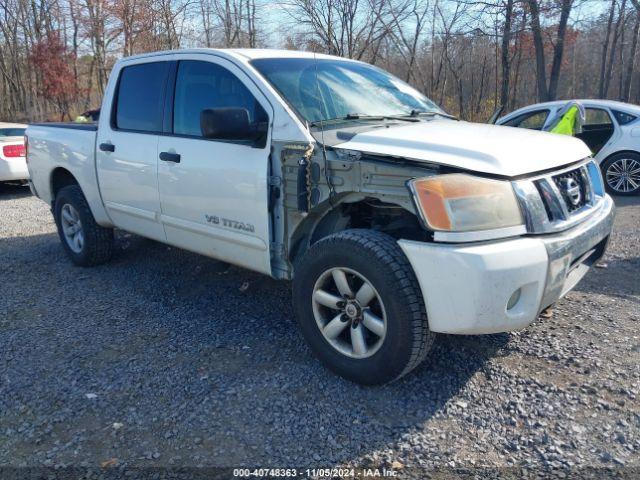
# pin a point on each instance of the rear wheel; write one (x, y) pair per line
(359, 306)
(622, 174)
(85, 242)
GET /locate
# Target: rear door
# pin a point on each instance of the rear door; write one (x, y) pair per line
(213, 192)
(598, 130)
(127, 148)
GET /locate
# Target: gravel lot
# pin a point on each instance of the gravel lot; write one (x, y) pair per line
(166, 358)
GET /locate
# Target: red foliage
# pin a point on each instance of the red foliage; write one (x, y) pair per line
(528, 49)
(52, 61)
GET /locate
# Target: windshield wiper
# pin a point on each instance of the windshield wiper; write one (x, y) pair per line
(360, 116)
(416, 113)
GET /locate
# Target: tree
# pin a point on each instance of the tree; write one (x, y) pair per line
(52, 61)
(549, 91)
(348, 28)
(625, 95)
(504, 52)
(467, 55)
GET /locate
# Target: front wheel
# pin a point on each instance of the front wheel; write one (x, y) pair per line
(622, 174)
(359, 306)
(85, 242)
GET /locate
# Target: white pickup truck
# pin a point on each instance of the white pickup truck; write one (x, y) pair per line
(393, 219)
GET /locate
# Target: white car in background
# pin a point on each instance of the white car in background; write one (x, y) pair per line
(611, 131)
(13, 163)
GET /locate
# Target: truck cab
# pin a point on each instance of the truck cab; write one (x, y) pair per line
(393, 220)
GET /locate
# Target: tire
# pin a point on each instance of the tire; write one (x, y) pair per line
(363, 256)
(96, 246)
(620, 172)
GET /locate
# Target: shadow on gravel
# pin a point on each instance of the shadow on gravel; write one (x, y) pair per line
(617, 278)
(621, 201)
(10, 191)
(194, 358)
(616, 275)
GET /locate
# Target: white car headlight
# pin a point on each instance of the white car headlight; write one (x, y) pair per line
(464, 203)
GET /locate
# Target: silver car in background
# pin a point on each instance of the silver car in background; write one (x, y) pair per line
(611, 131)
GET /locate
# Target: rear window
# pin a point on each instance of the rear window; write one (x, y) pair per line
(140, 100)
(623, 118)
(12, 132)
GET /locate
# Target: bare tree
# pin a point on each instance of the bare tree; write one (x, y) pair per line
(468, 55)
(548, 91)
(625, 95)
(505, 56)
(349, 28)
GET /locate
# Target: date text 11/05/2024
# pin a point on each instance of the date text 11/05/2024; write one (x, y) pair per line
(315, 473)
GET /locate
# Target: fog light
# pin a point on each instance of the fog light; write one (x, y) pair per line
(514, 299)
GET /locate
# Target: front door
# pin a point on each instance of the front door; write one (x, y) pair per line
(127, 149)
(214, 192)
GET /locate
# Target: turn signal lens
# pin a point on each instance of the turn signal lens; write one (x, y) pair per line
(462, 203)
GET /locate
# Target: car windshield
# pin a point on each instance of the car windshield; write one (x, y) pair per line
(344, 89)
(12, 132)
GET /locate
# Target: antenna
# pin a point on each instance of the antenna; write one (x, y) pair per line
(324, 149)
(319, 96)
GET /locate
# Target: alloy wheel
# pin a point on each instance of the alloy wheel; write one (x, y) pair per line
(623, 175)
(349, 312)
(72, 227)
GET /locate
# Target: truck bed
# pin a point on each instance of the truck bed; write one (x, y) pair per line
(60, 149)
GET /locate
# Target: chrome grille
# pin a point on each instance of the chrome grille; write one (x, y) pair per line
(559, 200)
(572, 185)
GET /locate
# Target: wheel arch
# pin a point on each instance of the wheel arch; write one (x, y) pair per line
(60, 178)
(354, 211)
(618, 152)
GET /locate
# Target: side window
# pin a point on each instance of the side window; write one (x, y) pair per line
(140, 97)
(623, 118)
(533, 120)
(597, 116)
(206, 86)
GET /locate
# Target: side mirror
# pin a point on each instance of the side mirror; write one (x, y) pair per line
(231, 124)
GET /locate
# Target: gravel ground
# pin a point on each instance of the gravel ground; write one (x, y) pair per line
(166, 358)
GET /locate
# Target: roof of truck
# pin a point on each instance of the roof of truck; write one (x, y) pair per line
(254, 53)
(242, 53)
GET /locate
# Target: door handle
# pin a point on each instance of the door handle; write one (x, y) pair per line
(107, 147)
(170, 157)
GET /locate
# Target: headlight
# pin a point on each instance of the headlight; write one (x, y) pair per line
(463, 203)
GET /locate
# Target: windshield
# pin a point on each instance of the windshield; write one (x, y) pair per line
(12, 132)
(344, 88)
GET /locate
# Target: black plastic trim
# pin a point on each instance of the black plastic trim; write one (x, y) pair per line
(91, 127)
(170, 157)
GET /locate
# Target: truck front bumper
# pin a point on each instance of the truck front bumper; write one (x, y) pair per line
(501, 286)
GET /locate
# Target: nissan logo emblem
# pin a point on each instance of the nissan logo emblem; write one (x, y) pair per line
(572, 190)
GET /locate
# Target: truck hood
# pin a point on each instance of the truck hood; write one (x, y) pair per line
(499, 150)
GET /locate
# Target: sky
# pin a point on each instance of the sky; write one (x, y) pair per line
(278, 23)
